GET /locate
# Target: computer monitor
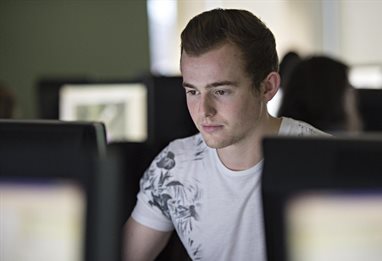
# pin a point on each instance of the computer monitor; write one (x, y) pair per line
(159, 118)
(58, 192)
(370, 108)
(168, 108)
(322, 198)
(48, 94)
(122, 107)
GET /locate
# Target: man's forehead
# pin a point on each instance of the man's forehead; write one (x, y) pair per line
(202, 50)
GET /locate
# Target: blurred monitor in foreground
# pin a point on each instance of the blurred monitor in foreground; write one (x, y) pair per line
(122, 107)
(58, 192)
(322, 198)
(329, 225)
(42, 220)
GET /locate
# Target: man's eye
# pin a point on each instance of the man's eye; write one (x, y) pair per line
(191, 92)
(220, 92)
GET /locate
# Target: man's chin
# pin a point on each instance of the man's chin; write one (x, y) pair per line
(213, 142)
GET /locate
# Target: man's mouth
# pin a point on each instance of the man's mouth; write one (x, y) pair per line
(210, 128)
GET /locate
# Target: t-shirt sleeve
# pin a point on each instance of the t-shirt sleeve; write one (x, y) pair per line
(152, 209)
(150, 218)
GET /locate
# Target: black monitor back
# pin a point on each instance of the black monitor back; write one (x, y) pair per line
(48, 95)
(370, 108)
(170, 118)
(298, 165)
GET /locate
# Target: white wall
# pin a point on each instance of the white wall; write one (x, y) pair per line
(361, 31)
(348, 29)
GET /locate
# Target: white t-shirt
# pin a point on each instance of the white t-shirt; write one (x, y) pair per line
(216, 211)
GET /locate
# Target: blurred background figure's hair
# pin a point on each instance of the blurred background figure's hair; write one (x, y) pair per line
(7, 102)
(287, 64)
(318, 92)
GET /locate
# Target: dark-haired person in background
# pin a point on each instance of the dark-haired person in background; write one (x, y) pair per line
(318, 92)
(207, 187)
(287, 64)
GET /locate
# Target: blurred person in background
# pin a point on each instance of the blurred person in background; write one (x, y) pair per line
(287, 64)
(318, 92)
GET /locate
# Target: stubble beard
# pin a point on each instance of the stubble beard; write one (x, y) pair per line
(219, 141)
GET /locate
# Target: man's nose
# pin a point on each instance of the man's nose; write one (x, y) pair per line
(207, 106)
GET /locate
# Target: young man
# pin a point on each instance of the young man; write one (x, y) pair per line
(207, 187)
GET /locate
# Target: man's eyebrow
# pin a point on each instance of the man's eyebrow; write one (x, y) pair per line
(211, 85)
(226, 83)
(188, 85)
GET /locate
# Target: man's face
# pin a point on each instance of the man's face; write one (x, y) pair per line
(220, 96)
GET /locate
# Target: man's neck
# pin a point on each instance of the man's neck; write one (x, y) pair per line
(248, 153)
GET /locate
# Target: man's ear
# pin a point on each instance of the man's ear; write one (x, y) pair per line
(270, 86)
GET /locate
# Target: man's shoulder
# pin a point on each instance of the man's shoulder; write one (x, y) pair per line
(291, 126)
(179, 152)
(190, 143)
